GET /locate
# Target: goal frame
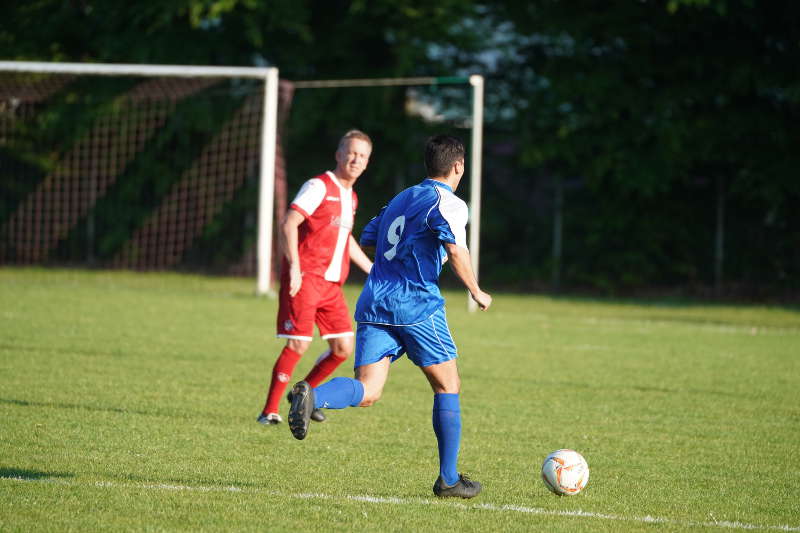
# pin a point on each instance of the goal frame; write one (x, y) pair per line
(268, 75)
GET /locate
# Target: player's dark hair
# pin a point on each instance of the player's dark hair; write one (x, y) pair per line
(441, 153)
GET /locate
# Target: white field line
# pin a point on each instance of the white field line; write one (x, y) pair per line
(417, 501)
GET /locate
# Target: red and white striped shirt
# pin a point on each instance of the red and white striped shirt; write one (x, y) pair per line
(324, 238)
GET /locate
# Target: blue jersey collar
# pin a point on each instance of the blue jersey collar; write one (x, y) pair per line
(436, 183)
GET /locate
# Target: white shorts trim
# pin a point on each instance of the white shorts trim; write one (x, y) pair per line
(338, 335)
(295, 337)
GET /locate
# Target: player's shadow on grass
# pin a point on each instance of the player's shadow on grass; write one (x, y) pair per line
(109, 409)
(30, 475)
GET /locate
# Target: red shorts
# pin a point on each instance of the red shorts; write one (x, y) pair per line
(319, 302)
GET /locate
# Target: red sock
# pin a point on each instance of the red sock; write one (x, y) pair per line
(324, 368)
(281, 374)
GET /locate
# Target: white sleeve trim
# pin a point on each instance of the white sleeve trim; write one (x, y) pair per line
(456, 213)
(310, 196)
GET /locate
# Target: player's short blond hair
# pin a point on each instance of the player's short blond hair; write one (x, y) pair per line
(354, 134)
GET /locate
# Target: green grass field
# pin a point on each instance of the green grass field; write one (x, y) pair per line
(128, 402)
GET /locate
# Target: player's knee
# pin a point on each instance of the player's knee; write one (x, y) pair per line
(298, 346)
(342, 346)
(449, 386)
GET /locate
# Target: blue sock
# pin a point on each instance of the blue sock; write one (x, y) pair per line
(447, 426)
(339, 393)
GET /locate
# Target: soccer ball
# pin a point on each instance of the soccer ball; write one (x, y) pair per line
(565, 472)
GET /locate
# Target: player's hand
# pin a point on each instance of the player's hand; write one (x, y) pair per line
(483, 299)
(295, 279)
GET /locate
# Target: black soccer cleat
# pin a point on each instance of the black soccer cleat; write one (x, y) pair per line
(301, 409)
(463, 488)
(316, 415)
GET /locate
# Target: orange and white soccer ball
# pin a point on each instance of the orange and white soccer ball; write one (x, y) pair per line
(565, 472)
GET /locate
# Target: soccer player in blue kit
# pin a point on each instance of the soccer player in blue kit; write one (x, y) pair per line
(401, 309)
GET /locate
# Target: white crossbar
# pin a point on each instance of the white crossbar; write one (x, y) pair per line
(122, 69)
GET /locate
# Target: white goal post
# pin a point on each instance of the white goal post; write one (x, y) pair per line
(269, 76)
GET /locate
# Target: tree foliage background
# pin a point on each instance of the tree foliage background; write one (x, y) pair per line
(654, 142)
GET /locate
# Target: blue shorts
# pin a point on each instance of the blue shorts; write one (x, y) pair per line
(427, 343)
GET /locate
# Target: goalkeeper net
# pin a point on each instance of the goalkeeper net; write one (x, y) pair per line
(137, 171)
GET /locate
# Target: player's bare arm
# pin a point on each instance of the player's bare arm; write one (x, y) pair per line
(359, 257)
(289, 243)
(461, 264)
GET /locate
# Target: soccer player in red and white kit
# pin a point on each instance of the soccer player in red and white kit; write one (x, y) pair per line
(317, 249)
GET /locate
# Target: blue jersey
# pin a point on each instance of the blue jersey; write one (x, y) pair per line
(403, 286)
